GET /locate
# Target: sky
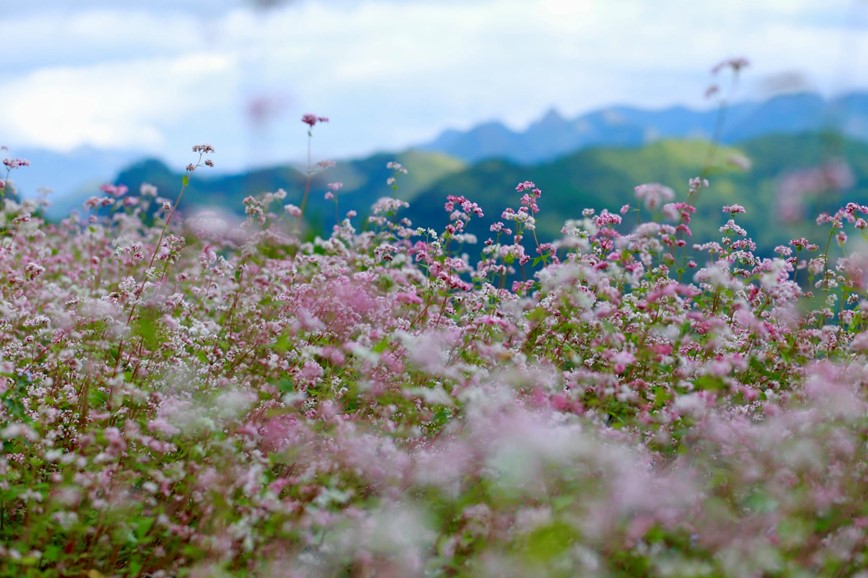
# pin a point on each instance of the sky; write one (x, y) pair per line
(160, 76)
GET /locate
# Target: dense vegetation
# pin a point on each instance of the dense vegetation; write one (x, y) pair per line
(595, 178)
(192, 397)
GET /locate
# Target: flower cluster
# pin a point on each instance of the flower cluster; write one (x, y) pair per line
(655, 194)
(311, 119)
(257, 402)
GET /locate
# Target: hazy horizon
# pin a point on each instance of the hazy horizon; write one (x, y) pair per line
(161, 77)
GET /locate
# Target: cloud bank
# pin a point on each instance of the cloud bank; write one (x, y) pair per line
(166, 75)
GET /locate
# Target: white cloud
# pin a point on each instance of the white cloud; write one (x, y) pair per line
(389, 72)
(116, 105)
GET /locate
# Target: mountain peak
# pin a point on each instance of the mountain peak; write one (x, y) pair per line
(551, 118)
(552, 114)
(552, 136)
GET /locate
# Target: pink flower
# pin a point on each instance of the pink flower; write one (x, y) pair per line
(736, 64)
(733, 209)
(15, 163)
(697, 183)
(312, 119)
(654, 194)
(114, 190)
(621, 360)
(293, 210)
(525, 186)
(397, 167)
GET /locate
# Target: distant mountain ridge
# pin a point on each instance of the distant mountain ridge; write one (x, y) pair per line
(554, 136)
(79, 171)
(78, 175)
(594, 177)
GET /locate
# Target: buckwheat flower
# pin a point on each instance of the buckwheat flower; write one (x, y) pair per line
(855, 269)
(671, 212)
(203, 148)
(739, 161)
(114, 190)
(526, 185)
(733, 209)
(654, 194)
(716, 275)
(816, 265)
(113, 436)
(802, 243)
(65, 520)
(397, 167)
(529, 202)
(17, 430)
(712, 90)
(795, 188)
(33, 270)
(731, 227)
(232, 404)
(16, 163)
(736, 64)
(695, 184)
(311, 119)
(621, 360)
(293, 210)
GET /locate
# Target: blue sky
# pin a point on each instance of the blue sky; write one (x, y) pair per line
(162, 75)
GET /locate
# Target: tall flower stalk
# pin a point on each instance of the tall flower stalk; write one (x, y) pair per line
(203, 150)
(311, 120)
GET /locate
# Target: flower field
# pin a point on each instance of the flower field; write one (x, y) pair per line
(184, 395)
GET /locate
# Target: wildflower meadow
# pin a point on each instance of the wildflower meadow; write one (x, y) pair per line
(185, 395)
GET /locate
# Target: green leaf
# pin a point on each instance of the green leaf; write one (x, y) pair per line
(147, 326)
(285, 385)
(381, 345)
(143, 526)
(550, 541)
(283, 344)
(537, 314)
(709, 383)
(52, 553)
(185, 180)
(661, 396)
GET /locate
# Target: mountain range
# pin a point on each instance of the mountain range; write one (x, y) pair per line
(78, 173)
(553, 136)
(598, 178)
(74, 174)
(594, 161)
